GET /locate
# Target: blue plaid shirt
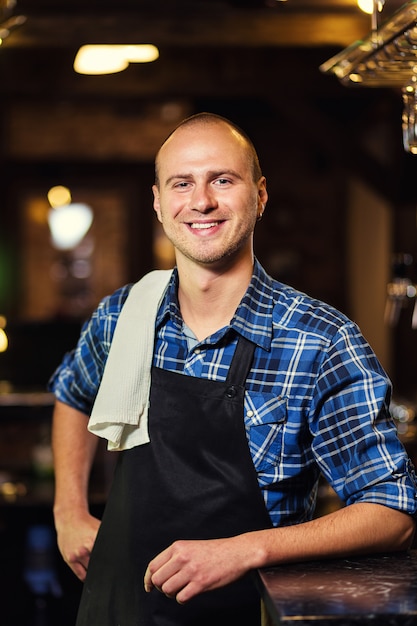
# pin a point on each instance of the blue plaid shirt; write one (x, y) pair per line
(316, 397)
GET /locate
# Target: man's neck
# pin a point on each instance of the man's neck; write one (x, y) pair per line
(209, 298)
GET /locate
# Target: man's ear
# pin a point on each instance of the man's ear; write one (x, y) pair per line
(156, 203)
(262, 197)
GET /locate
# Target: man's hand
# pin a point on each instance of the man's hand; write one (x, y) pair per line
(188, 568)
(76, 538)
(74, 449)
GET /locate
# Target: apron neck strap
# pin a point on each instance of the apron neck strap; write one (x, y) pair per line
(241, 362)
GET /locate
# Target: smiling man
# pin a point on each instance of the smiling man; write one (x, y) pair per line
(254, 390)
(209, 201)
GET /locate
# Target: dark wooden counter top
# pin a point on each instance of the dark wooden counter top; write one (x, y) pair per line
(379, 590)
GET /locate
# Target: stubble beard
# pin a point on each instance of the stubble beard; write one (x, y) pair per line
(208, 252)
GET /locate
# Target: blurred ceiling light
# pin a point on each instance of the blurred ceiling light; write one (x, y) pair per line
(69, 224)
(367, 6)
(59, 195)
(110, 59)
(4, 342)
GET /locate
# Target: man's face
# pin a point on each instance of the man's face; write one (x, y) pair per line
(207, 200)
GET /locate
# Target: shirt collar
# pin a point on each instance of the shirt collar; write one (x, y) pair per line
(253, 317)
(169, 305)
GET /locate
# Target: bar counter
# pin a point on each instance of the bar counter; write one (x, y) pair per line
(378, 590)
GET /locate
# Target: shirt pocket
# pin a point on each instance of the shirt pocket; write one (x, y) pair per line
(265, 417)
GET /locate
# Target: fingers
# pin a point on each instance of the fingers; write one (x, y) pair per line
(79, 563)
(190, 567)
(154, 575)
(183, 570)
(76, 541)
(165, 573)
(147, 581)
(174, 585)
(177, 586)
(79, 570)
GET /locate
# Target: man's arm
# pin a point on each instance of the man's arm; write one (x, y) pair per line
(188, 568)
(74, 448)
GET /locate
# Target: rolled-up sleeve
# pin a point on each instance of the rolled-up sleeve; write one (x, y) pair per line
(355, 440)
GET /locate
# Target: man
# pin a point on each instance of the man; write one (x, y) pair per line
(255, 389)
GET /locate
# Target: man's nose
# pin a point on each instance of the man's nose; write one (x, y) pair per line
(203, 199)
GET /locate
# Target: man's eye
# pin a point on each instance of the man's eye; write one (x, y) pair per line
(222, 181)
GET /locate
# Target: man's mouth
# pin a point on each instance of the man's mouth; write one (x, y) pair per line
(204, 226)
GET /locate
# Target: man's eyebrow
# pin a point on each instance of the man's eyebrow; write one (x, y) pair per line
(211, 175)
(220, 173)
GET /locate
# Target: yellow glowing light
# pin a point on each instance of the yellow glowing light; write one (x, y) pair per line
(367, 6)
(36, 210)
(4, 342)
(69, 224)
(58, 196)
(144, 53)
(110, 59)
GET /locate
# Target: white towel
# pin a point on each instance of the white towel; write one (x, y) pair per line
(120, 411)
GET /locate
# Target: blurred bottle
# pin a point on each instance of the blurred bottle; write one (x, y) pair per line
(40, 575)
(42, 460)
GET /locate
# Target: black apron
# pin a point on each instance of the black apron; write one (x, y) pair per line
(195, 480)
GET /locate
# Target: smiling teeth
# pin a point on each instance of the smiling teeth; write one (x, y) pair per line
(203, 226)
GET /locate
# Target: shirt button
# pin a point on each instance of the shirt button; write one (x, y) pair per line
(249, 414)
(197, 351)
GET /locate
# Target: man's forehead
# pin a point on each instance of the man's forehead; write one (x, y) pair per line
(203, 136)
(197, 130)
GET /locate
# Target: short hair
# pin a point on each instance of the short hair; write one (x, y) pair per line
(206, 118)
